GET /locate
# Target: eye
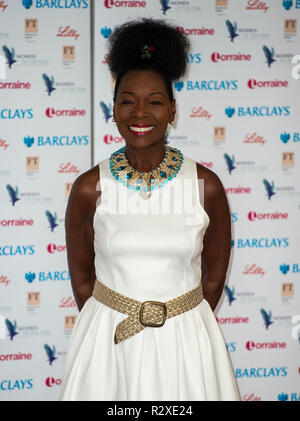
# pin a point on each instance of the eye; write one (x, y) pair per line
(126, 101)
(156, 102)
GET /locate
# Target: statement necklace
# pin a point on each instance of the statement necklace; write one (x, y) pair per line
(145, 182)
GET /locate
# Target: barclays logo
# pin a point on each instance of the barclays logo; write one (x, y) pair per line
(20, 384)
(263, 242)
(286, 137)
(263, 111)
(261, 372)
(21, 250)
(19, 113)
(287, 4)
(48, 276)
(57, 140)
(56, 4)
(106, 32)
(231, 346)
(179, 85)
(212, 85)
(285, 397)
(284, 268)
(106, 110)
(194, 58)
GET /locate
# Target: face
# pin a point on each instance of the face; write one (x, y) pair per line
(142, 109)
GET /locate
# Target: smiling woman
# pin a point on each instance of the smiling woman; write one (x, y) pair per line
(146, 283)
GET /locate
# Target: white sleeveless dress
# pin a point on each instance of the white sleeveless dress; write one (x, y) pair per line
(148, 254)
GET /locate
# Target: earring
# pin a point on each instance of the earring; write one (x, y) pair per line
(113, 120)
(172, 122)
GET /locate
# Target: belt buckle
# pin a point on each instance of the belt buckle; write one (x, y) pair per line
(158, 303)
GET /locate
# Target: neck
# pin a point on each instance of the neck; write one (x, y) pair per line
(145, 159)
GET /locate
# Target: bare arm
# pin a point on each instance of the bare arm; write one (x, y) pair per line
(80, 235)
(217, 238)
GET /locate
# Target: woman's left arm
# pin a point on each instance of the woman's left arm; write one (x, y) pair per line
(217, 238)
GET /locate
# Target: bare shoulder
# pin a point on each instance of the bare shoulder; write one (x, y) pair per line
(85, 190)
(212, 184)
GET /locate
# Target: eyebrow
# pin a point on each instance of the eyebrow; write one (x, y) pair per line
(151, 93)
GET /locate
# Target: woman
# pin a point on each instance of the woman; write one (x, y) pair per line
(146, 284)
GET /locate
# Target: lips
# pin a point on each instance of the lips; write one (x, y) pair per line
(141, 130)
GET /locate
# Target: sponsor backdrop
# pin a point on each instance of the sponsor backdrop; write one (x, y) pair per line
(236, 114)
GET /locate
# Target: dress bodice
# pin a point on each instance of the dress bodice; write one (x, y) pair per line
(150, 249)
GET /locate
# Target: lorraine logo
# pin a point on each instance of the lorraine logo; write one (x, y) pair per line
(269, 54)
(269, 188)
(229, 111)
(285, 137)
(106, 110)
(52, 220)
(13, 193)
(27, 3)
(49, 83)
(105, 32)
(230, 294)
(30, 277)
(179, 86)
(232, 29)
(284, 268)
(50, 353)
(230, 162)
(165, 5)
(9, 55)
(12, 328)
(28, 141)
(267, 317)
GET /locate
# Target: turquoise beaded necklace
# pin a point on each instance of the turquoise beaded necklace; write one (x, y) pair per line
(145, 182)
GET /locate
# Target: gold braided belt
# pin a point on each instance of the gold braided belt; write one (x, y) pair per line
(146, 314)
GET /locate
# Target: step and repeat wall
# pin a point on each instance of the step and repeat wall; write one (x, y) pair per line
(45, 143)
(236, 114)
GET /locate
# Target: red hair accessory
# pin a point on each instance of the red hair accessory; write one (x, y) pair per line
(147, 51)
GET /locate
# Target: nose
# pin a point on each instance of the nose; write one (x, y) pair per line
(141, 109)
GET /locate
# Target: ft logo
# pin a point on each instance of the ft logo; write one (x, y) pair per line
(2, 67)
(295, 73)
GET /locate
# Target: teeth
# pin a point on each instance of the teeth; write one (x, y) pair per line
(141, 129)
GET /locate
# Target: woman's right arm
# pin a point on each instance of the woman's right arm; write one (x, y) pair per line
(80, 234)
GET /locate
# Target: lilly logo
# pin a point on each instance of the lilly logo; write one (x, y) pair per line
(269, 55)
(52, 219)
(230, 162)
(165, 6)
(269, 188)
(13, 193)
(229, 111)
(27, 3)
(266, 317)
(230, 294)
(12, 328)
(30, 277)
(284, 268)
(232, 29)
(179, 86)
(49, 83)
(50, 353)
(287, 4)
(28, 141)
(10, 55)
(106, 111)
(285, 137)
(105, 32)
